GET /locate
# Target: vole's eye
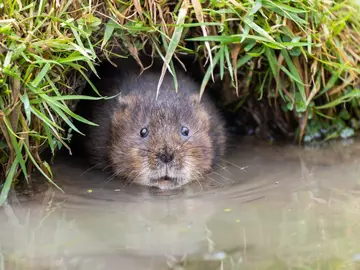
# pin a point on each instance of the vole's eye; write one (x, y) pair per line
(185, 131)
(144, 132)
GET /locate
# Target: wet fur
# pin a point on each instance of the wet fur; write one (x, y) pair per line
(116, 143)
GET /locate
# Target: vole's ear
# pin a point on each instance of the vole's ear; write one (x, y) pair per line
(195, 99)
(201, 110)
(124, 102)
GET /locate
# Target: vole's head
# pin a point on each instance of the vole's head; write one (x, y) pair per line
(164, 143)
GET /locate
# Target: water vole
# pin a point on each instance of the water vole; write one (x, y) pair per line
(163, 142)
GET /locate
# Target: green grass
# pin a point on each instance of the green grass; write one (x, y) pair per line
(300, 56)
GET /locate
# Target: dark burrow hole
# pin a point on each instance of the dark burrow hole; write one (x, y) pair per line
(244, 114)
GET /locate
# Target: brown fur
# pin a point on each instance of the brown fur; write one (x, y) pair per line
(117, 144)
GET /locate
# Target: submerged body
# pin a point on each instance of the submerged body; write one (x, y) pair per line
(164, 142)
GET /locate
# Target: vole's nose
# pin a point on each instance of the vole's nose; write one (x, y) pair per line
(165, 156)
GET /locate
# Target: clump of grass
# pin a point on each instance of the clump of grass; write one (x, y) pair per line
(42, 43)
(300, 56)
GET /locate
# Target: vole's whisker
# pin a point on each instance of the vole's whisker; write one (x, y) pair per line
(92, 167)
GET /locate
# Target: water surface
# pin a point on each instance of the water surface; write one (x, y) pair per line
(264, 207)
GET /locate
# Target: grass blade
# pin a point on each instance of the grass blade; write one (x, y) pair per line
(40, 170)
(8, 182)
(207, 74)
(173, 42)
(17, 148)
(295, 74)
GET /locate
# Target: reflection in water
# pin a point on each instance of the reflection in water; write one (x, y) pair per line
(265, 207)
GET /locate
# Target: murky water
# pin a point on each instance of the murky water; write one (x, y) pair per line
(265, 207)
